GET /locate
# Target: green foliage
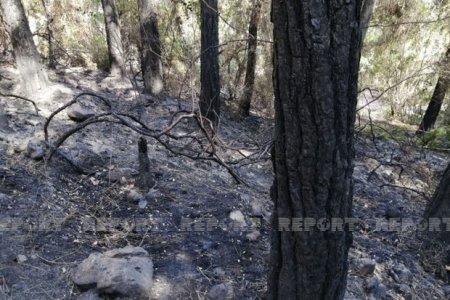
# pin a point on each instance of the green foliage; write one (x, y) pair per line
(438, 138)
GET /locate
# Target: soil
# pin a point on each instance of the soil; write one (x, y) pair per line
(54, 217)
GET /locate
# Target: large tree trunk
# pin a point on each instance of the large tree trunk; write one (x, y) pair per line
(209, 60)
(439, 207)
(245, 103)
(114, 39)
(366, 15)
(150, 48)
(27, 58)
(316, 60)
(434, 107)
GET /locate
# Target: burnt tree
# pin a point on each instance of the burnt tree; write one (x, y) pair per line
(439, 207)
(150, 47)
(366, 15)
(435, 104)
(114, 39)
(209, 61)
(50, 42)
(316, 59)
(32, 72)
(245, 103)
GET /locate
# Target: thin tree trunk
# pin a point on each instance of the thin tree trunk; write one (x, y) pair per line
(249, 83)
(434, 107)
(366, 15)
(209, 60)
(114, 39)
(439, 207)
(316, 60)
(48, 25)
(150, 48)
(27, 58)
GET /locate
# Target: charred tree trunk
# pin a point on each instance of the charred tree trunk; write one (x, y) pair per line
(245, 103)
(439, 207)
(434, 107)
(150, 48)
(209, 60)
(366, 15)
(48, 25)
(316, 59)
(114, 39)
(27, 58)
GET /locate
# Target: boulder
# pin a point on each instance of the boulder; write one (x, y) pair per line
(126, 272)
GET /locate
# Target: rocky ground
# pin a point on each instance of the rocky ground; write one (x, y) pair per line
(53, 217)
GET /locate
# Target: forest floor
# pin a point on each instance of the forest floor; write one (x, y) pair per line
(391, 180)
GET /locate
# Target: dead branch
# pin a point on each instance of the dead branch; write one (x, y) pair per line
(162, 136)
(22, 98)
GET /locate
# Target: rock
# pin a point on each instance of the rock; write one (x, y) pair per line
(379, 292)
(253, 236)
(405, 290)
(373, 283)
(78, 113)
(35, 150)
(401, 273)
(134, 196)
(86, 158)
(4, 198)
(365, 266)
(223, 291)
(122, 174)
(238, 217)
(20, 259)
(142, 203)
(126, 272)
(89, 295)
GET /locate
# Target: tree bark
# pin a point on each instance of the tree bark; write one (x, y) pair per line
(209, 61)
(439, 207)
(150, 48)
(114, 39)
(366, 15)
(33, 74)
(434, 107)
(49, 28)
(249, 82)
(316, 60)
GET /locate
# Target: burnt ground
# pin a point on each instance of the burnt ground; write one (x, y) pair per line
(56, 217)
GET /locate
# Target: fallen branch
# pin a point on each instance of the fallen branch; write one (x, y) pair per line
(24, 99)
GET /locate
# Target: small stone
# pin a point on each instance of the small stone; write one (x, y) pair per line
(35, 150)
(238, 217)
(142, 203)
(121, 174)
(223, 291)
(253, 236)
(380, 291)
(89, 295)
(373, 283)
(134, 196)
(20, 259)
(78, 113)
(402, 273)
(365, 266)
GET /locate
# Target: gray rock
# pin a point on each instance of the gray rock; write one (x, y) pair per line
(127, 272)
(379, 292)
(89, 295)
(365, 266)
(20, 259)
(223, 291)
(401, 273)
(134, 196)
(405, 290)
(122, 174)
(219, 272)
(78, 113)
(35, 149)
